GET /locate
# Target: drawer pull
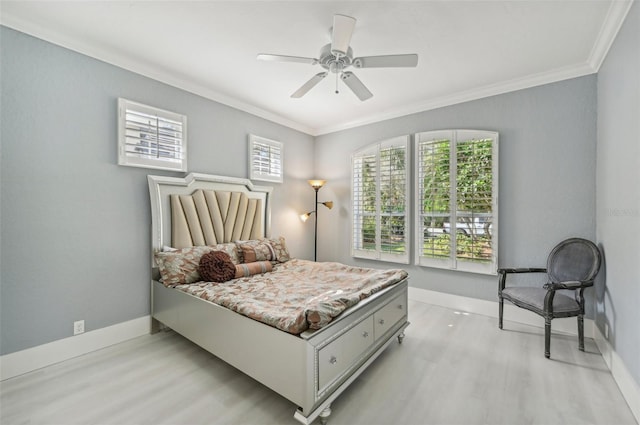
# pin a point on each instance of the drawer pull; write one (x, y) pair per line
(333, 360)
(365, 334)
(381, 321)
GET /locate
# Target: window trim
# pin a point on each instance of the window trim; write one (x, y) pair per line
(452, 263)
(378, 254)
(255, 174)
(180, 164)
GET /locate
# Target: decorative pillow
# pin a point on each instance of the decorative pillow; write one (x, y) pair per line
(180, 266)
(255, 250)
(264, 249)
(230, 248)
(280, 249)
(249, 269)
(216, 266)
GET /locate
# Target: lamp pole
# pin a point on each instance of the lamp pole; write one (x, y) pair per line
(315, 233)
(316, 185)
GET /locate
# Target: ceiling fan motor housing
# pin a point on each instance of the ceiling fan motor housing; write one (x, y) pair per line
(334, 63)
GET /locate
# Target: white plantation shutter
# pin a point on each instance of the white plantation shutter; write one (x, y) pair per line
(380, 201)
(478, 212)
(265, 159)
(433, 186)
(150, 137)
(365, 164)
(457, 200)
(393, 199)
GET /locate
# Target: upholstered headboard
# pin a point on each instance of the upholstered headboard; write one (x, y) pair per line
(202, 209)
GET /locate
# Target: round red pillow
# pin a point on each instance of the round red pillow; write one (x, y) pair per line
(216, 266)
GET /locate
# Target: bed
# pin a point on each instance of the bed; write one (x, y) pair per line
(310, 367)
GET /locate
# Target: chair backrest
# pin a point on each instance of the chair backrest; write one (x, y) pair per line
(574, 259)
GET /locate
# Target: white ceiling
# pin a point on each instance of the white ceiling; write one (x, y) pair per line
(467, 49)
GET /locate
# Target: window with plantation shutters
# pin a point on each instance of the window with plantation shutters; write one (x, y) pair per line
(265, 159)
(380, 201)
(365, 173)
(150, 137)
(457, 200)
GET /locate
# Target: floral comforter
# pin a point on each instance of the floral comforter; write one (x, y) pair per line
(299, 294)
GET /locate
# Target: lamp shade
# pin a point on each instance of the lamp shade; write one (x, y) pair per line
(328, 204)
(304, 217)
(317, 184)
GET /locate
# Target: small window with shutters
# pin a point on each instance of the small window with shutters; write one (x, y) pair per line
(380, 200)
(265, 159)
(457, 200)
(150, 137)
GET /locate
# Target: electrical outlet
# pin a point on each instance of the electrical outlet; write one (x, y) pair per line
(78, 327)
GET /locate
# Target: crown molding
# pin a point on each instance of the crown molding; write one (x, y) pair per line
(616, 15)
(146, 70)
(489, 90)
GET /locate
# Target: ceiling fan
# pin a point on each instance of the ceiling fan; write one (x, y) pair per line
(337, 56)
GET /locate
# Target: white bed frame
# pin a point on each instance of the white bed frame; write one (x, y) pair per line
(310, 370)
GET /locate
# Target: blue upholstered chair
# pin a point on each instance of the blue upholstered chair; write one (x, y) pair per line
(572, 265)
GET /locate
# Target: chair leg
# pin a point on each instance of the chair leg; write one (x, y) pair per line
(581, 332)
(547, 337)
(500, 311)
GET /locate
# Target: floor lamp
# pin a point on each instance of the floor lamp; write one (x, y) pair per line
(316, 185)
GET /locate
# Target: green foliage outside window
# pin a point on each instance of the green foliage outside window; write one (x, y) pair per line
(474, 185)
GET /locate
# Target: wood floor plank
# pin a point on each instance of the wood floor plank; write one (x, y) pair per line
(452, 368)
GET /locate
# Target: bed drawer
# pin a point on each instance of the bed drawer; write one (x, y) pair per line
(340, 354)
(385, 318)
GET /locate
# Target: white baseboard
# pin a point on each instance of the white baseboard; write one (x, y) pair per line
(627, 384)
(512, 313)
(28, 360)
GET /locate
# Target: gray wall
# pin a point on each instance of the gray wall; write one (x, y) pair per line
(547, 176)
(618, 193)
(75, 235)
(75, 226)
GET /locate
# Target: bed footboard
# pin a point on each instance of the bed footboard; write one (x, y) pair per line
(323, 410)
(310, 370)
(346, 349)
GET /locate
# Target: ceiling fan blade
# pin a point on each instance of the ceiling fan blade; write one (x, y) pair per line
(386, 61)
(283, 58)
(309, 85)
(341, 37)
(356, 86)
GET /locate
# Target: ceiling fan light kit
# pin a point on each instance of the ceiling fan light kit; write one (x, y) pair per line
(337, 56)
(341, 33)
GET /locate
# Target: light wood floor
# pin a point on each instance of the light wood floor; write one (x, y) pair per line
(451, 368)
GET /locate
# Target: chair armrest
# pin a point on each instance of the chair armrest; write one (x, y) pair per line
(522, 270)
(502, 280)
(569, 284)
